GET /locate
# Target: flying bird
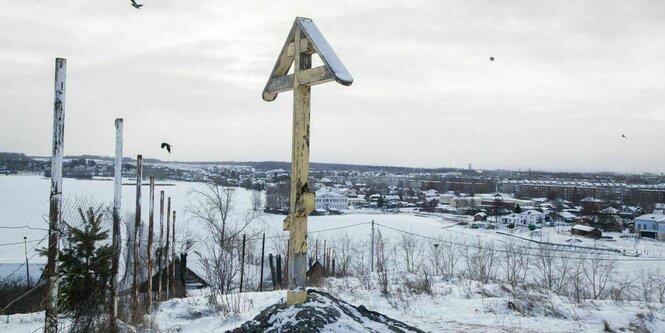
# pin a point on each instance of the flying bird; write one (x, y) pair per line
(623, 136)
(167, 146)
(491, 58)
(136, 5)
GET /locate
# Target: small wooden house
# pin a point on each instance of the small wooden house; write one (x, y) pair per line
(586, 231)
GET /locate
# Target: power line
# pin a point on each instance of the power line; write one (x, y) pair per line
(514, 252)
(17, 243)
(23, 227)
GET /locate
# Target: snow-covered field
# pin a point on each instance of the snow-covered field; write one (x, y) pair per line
(457, 304)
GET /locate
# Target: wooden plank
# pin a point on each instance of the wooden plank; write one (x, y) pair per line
(305, 47)
(325, 51)
(315, 76)
(282, 65)
(309, 77)
(297, 265)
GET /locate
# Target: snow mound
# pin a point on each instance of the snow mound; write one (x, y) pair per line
(322, 313)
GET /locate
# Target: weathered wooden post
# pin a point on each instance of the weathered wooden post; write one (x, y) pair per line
(172, 278)
(151, 220)
(55, 205)
(117, 210)
(166, 250)
(272, 272)
(27, 261)
(279, 271)
(303, 40)
(242, 262)
(160, 257)
(263, 246)
(324, 254)
(137, 239)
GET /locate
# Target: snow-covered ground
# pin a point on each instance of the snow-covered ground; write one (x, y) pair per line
(455, 306)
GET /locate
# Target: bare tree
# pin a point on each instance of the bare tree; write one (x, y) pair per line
(514, 262)
(225, 225)
(257, 201)
(480, 261)
(598, 271)
(451, 255)
(552, 272)
(412, 252)
(381, 262)
(346, 250)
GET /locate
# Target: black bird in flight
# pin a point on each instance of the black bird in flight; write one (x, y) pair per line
(167, 146)
(623, 136)
(136, 5)
(491, 58)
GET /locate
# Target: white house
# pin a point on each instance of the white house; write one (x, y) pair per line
(524, 218)
(330, 200)
(532, 217)
(650, 225)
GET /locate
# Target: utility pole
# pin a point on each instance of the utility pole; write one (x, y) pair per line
(161, 245)
(55, 205)
(151, 220)
(303, 40)
(371, 250)
(137, 238)
(117, 210)
(27, 264)
(166, 250)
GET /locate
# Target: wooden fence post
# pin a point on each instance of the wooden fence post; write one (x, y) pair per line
(137, 239)
(151, 221)
(272, 272)
(279, 271)
(117, 211)
(166, 250)
(55, 207)
(173, 256)
(242, 262)
(263, 246)
(160, 249)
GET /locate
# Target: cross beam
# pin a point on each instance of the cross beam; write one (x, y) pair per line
(307, 39)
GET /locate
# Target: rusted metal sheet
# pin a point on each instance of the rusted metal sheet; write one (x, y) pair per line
(55, 205)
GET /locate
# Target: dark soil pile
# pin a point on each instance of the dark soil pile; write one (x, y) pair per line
(322, 313)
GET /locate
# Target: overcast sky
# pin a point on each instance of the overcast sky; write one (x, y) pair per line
(569, 78)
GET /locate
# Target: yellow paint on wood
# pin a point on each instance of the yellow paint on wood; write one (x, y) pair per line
(294, 297)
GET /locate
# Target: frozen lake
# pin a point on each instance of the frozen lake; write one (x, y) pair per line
(24, 201)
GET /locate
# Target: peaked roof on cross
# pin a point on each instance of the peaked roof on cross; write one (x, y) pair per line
(313, 42)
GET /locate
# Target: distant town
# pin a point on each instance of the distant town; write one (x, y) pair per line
(607, 201)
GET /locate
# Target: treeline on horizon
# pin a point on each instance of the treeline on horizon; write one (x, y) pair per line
(320, 166)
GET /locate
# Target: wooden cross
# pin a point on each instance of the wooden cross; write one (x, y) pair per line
(303, 40)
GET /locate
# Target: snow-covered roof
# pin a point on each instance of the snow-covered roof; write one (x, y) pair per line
(583, 227)
(651, 217)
